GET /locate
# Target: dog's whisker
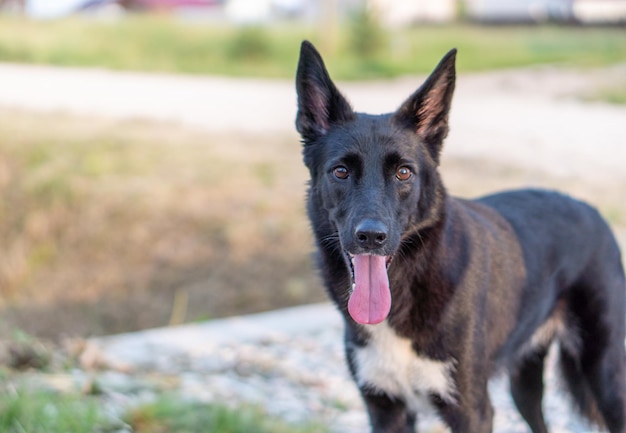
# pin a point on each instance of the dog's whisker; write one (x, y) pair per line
(330, 240)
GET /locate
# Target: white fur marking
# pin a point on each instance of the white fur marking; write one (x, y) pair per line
(553, 329)
(389, 364)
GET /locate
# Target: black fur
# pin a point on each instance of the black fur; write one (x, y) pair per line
(471, 281)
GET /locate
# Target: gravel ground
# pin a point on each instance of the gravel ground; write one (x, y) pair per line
(290, 362)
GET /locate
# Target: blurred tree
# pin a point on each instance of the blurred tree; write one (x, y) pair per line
(368, 38)
(250, 43)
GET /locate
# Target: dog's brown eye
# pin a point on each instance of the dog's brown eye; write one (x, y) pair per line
(404, 173)
(341, 172)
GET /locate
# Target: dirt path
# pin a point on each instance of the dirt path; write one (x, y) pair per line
(531, 117)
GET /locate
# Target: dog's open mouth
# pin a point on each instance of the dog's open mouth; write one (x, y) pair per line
(370, 300)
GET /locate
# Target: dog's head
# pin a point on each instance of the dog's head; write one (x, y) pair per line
(373, 177)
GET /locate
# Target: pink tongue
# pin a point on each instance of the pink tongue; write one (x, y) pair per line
(370, 301)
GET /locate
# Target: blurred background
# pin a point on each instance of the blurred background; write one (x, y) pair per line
(172, 190)
(150, 174)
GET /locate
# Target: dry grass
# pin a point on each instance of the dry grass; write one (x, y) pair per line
(104, 223)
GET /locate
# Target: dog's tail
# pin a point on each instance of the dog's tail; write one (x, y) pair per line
(578, 387)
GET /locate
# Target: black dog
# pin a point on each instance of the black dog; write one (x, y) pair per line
(438, 292)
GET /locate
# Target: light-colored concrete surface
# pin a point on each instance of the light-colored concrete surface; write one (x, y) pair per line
(154, 347)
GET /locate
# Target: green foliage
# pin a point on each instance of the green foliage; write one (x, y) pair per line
(366, 49)
(367, 38)
(251, 43)
(48, 412)
(172, 415)
(37, 411)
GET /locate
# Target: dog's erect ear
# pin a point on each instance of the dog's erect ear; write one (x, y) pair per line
(426, 110)
(320, 104)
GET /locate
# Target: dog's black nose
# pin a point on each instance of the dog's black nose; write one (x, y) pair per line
(371, 234)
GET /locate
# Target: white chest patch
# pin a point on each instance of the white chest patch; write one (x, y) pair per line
(389, 364)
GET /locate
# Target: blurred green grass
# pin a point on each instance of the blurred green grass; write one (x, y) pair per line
(47, 412)
(174, 415)
(24, 410)
(146, 43)
(613, 93)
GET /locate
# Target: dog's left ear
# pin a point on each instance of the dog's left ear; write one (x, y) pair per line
(320, 105)
(426, 110)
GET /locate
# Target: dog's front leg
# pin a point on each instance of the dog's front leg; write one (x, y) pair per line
(473, 413)
(388, 415)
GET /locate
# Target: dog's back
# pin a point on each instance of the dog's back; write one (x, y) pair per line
(574, 294)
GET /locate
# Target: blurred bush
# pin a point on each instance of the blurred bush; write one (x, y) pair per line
(250, 43)
(368, 39)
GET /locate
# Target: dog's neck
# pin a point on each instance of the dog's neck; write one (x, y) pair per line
(420, 285)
